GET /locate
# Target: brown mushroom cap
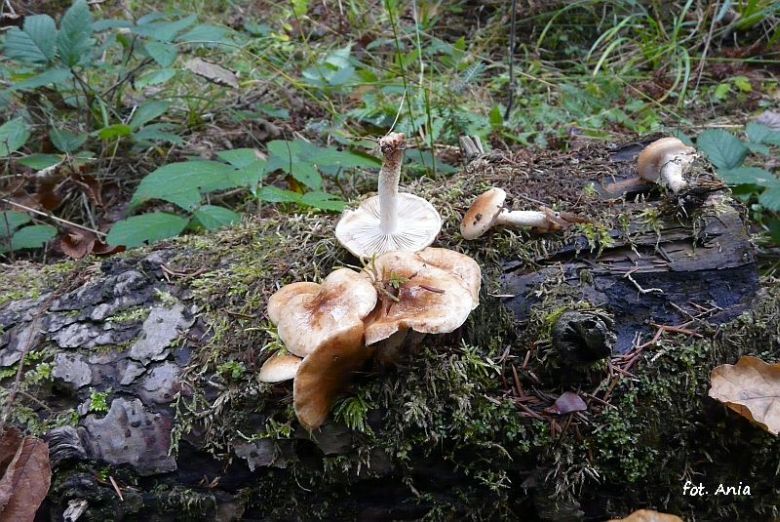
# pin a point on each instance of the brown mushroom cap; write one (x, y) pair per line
(427, 299)
(460, 265)
(325, 372)
(279, 368)
(653, 157)
(482, 214)
(308, 315)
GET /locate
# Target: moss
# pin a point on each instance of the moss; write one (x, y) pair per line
(28, 281)
(132, 315)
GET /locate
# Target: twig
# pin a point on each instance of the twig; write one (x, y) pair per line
(53, 217)
(512, 32)
(627, 275)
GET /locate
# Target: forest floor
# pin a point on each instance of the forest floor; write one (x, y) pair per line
(193, 156)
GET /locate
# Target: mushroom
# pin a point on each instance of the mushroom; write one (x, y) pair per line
(664, 162)
(390, 221)
(279, 368)
(325, 372)
(308, 315)
(415, 295)
(666, 159)
(488, 210)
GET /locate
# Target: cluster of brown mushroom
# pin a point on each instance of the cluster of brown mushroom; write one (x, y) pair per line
(404, 292)
(406, 289)
(332, 329)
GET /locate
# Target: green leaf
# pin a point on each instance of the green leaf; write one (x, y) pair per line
(748, 176)
(34, 236)
(34, 43)
(323, 201)
(496, 118)
(213, 217)
(723, 149)
(104, 25)
(10, 220)
(66, 141)
(155, 78)
(721, 91)
(758, 148)
(116, 131)
(239, 157)
(183, 183)
(41, 161)
(770, 198)
(158, 132)
(162, 53)
(147, 112)
(13, 135)
(52, 76)
(74, 39)
(307, 174)
(761, 134)
(300, 7)
(204, 34)
(273, 194)
(164, 31)
(742, 83)
(145, 229)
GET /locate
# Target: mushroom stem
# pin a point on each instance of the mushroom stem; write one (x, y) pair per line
(522, 218)
(672, 174)
(389, 177)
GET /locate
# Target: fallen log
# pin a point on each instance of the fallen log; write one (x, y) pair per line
(140, 370)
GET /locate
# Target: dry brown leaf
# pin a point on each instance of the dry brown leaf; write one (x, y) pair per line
(27, 477)
(751, 388)
(568, 402)
(212, 72)
(647, 515)
(77, 243)
(771, 119)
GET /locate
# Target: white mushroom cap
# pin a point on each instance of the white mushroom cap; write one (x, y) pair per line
(427, 299)
(308, 315)
(279, 368)
(360, 231)
(483, 213)
(391, 221)
(665, 161)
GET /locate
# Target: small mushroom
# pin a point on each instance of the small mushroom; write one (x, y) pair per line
(415, 295)
(308, 315)
(325, 372)
(488, 210)
(666, 159)
(390, 221)
(279, 368)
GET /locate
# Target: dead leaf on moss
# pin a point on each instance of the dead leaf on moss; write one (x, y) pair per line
(751, 388)
(212, 72)
(26, 477)
(568, 402)
(647, 515)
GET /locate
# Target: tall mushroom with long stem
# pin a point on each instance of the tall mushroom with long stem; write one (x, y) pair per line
(392, 220)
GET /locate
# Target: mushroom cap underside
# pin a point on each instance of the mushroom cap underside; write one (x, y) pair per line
(417, 227)
(325, 372)
(279, 368)
(482, 213)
